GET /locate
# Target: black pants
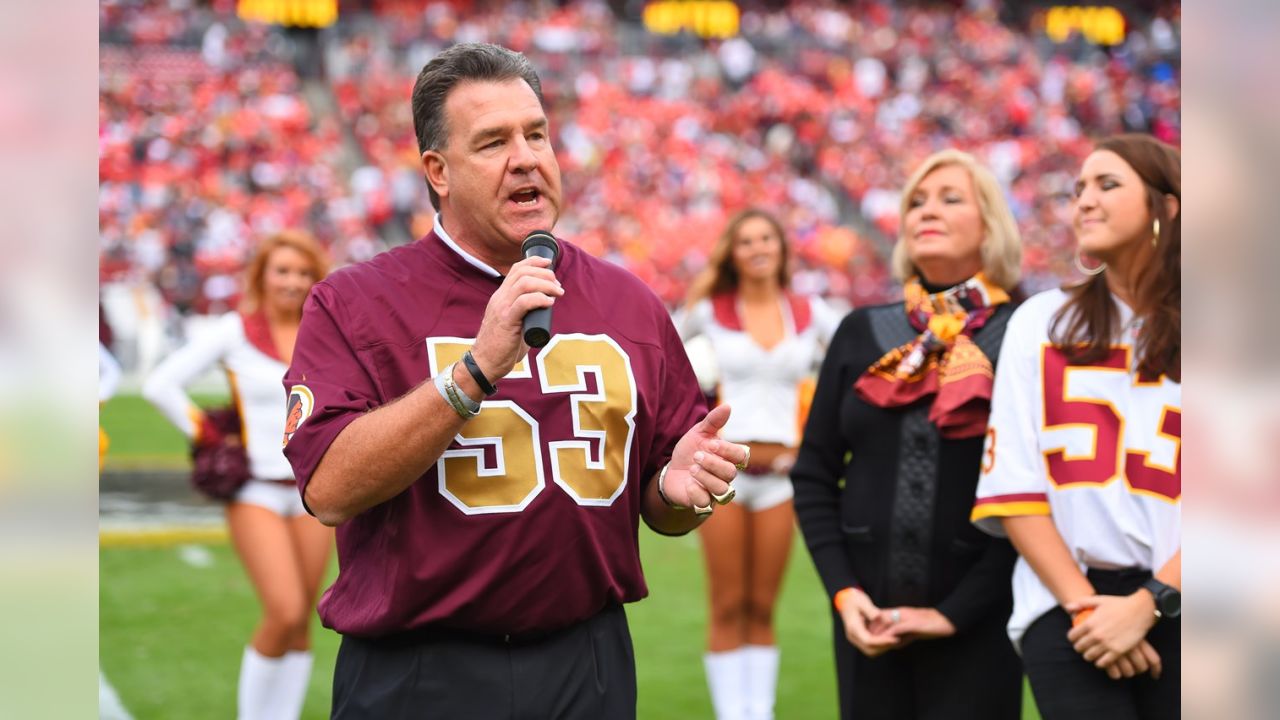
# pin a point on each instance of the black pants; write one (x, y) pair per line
(585, 671)
(974, 675)
(1066, 686)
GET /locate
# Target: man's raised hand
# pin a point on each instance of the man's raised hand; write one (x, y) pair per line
(703, 466)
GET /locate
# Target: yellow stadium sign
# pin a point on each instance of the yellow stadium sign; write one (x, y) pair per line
(1101, 25)
(704, 18)
(294, 13)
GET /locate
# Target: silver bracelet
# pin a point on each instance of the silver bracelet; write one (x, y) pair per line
(459, 395)
(455, 396)
(662, 489)
(440, 381)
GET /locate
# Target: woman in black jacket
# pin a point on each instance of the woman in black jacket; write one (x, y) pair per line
(887, 469)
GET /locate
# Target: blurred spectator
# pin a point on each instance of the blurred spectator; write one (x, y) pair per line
(819, 107)
(206, 141)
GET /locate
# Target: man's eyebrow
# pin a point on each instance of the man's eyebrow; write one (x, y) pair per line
(499, 131)
(486, 133)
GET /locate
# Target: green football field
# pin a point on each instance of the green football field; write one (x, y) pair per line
(174, 618)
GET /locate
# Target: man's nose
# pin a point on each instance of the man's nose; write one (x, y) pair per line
(523, 159)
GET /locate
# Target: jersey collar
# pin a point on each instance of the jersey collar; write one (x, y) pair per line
(472, 260)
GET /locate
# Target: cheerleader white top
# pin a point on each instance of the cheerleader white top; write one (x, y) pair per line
(242, 346)
(108, 374)
(760, 384)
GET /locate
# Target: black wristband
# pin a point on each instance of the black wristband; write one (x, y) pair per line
(469, 363)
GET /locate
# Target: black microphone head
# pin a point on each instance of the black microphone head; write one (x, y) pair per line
(537, 337)
(541, 244)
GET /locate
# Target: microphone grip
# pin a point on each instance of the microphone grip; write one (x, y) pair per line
(536, 327)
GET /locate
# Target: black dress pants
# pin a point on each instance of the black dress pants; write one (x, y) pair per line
(586, 671)
(1066, 686)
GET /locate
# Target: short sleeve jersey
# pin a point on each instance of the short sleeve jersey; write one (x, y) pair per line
(529, 520)
(1098, 447)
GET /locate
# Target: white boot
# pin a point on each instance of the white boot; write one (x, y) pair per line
(291, 690)
(762, 680)
(727, 678)
(259, 682)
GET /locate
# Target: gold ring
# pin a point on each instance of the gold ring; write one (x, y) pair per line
(727, 497)
(746, 459)
(702, 510)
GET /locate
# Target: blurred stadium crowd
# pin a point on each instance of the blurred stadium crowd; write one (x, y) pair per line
(213, 131)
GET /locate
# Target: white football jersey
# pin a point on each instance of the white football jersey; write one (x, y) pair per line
(1096, 447)
(256, 390)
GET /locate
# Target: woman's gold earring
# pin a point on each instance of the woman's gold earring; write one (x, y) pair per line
(1087, 270)
(1155, 231)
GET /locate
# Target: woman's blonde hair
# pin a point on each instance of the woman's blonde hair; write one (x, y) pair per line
(1001, 244)
(719, 275)
(253, 273)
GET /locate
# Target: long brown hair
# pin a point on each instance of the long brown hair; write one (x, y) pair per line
(720, 276)
(1086, 325)
(253, 273)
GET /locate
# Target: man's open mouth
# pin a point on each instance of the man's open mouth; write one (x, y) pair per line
(525, 197)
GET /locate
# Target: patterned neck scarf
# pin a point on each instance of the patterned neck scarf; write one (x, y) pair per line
(942, 362)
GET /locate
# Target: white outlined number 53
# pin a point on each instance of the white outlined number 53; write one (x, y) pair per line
(498, 466)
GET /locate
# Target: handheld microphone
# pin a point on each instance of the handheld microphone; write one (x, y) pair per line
(536, 326)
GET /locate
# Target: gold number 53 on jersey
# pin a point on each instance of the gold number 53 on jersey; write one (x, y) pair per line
(499, 466)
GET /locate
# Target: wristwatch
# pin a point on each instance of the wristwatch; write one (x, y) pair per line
(1168, 599)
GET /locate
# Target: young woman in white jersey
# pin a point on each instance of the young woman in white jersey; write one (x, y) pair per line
(765, 342)
(1083, 466)
(285, 551)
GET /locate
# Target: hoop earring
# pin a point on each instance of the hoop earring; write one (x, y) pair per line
(1086, 270)
(1155, 231)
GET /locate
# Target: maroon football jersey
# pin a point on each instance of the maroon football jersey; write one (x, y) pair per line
(529, 520)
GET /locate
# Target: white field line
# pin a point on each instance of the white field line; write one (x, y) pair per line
(109, 705)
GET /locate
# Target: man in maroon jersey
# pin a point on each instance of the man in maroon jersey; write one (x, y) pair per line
(485, 551)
